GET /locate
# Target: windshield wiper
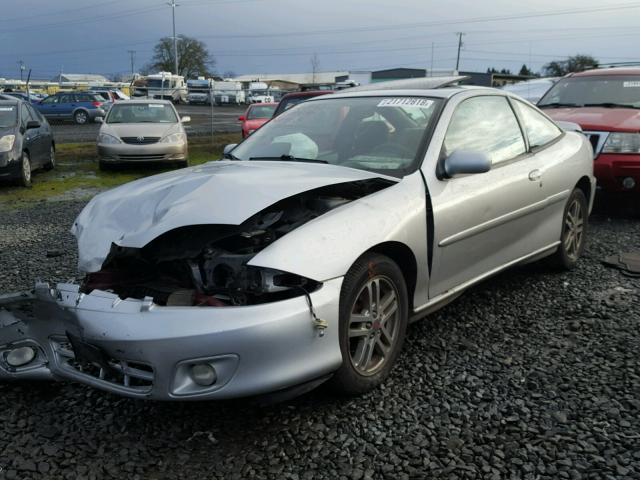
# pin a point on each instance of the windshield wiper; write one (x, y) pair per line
(610, 105)
(290, 158)
(558, 105)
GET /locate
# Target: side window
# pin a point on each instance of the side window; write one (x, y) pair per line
(24, 115)
(539, 129)
(51, 99)
(487, 125)
(66, 98)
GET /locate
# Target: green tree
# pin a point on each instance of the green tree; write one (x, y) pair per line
(524, 70)
(576, 63)
(194, 58)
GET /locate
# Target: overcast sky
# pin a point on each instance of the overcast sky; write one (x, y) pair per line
(278, 36)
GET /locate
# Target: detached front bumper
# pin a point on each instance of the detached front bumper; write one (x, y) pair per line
(138, 349)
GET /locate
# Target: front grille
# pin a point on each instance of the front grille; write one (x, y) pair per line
(140, 140)
(143, 157)
(134, 376)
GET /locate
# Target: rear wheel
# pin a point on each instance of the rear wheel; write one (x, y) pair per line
(373, 322)
(81, 117)
(25, 170)
(50, 165)
(574, 229)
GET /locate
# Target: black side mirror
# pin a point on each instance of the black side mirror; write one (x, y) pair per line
(32, 124)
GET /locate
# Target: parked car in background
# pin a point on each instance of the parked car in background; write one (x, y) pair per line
(531, 90)
(81, 107)
(294, 98)
(110, 94)
(606, 104)
(26, 141)
(142, 131)
(256, 115)
(303, 257)
(31, 98)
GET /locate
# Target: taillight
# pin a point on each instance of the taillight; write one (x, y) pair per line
(96, 104)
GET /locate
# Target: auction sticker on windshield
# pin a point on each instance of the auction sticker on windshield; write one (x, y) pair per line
(405, 102)
(630, 84)
(6, 109)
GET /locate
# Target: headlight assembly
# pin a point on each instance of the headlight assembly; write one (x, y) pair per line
(175, 138)
(106, 139)
(6, 143)
(622, 143)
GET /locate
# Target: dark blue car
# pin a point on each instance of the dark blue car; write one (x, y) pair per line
(81, 107)
(31, 98)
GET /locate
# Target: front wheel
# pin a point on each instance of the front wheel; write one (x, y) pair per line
(574, 229)
(25, 170)
(373, 322)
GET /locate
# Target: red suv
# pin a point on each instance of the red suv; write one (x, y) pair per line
(606, 104)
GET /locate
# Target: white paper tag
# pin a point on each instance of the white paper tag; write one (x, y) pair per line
(156, 105)
(405, 102)
(630, 84)
(6, 109)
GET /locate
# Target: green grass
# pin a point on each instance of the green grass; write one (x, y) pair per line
(77, 176)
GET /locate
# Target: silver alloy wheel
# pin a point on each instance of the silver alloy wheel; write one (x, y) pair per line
(81, 117)
(573, 230)
(26, 168)
(374, 325)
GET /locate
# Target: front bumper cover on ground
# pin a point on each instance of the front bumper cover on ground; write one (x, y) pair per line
(138, 349)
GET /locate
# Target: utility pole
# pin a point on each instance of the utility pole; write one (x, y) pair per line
(22, 68)
(431, 65)
(173, 6)
(132, 55)
(460, 35)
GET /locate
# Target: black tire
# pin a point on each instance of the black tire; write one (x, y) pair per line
(25, 170)
(574, 226)
(385, 329)
(81, 117)
(51, 164)
(182, 164)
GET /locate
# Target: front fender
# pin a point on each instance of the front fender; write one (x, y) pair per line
(327, 246)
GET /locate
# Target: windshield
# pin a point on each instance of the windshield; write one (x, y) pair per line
(141, 113)
(8, 116)
(379, 134)
(157, 83)
(261, 111)
(614, 90)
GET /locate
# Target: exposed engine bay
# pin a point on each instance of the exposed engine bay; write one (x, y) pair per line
(206, 265)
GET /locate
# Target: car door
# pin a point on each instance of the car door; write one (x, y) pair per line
(485, 221)
(30, 137)
(67, 105)
(43, 135)
(49, 106)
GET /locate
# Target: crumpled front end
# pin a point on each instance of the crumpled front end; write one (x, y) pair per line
(136, 348)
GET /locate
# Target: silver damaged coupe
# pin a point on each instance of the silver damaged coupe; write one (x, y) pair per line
(302, 256)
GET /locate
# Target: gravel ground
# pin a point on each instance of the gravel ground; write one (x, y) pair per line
(533, 374)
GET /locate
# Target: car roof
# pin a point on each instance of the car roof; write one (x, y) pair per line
(307, 93)
(607, 72)
(143, 101)
(14, 101)
(445, 93)
(263, 104)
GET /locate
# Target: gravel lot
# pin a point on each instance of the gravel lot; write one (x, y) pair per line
(533, 374)
(225, 120)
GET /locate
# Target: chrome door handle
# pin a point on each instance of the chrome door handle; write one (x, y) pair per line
(534, 175)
